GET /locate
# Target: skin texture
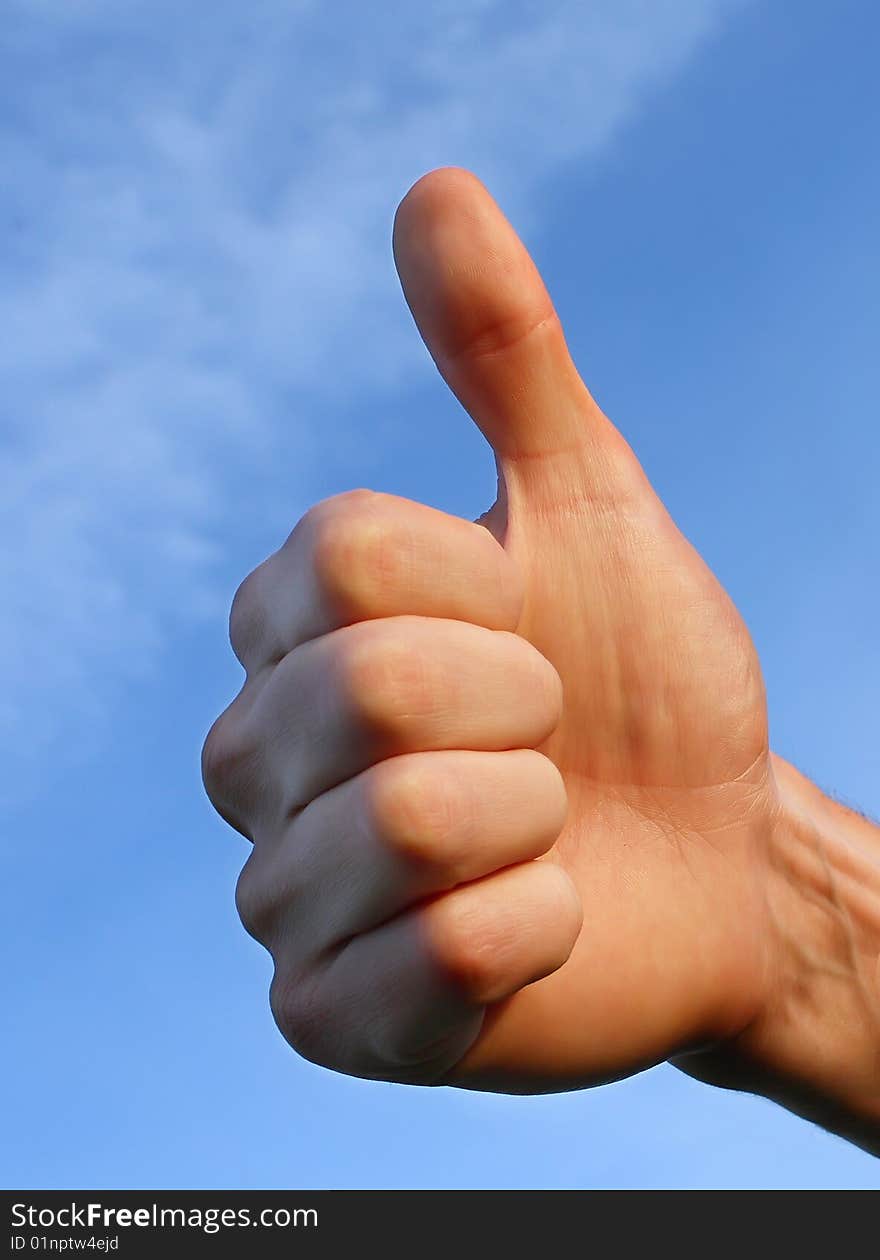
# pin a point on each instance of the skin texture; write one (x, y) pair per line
(515, 817)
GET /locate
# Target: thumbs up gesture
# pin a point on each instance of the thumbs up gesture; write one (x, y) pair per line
(508, 781)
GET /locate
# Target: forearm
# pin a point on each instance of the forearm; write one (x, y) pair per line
(815, 1047)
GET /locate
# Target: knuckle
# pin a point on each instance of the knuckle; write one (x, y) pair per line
(349, 500)
(336, 506)
(229, 759)
(417, 814)
(301, 1016)
(359, 555)
(247, 615)
(254, 902)
(219, 756)
(463, 949)
(387, 682)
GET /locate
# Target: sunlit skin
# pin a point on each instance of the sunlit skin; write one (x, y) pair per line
(516, 821)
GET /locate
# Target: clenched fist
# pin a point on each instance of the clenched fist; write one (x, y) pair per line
(508, 782)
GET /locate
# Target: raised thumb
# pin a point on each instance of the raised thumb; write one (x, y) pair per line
(487, 319)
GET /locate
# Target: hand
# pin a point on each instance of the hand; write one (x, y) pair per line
(508, 781)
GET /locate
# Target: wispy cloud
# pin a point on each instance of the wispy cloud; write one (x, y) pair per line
(197, 210)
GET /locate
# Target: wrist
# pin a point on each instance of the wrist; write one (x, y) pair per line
(814, 1045)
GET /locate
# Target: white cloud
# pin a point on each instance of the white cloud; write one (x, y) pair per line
(200, 225)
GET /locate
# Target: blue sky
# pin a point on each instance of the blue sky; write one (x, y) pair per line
(203, 334)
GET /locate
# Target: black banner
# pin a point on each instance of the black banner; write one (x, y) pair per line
(160, 1223)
